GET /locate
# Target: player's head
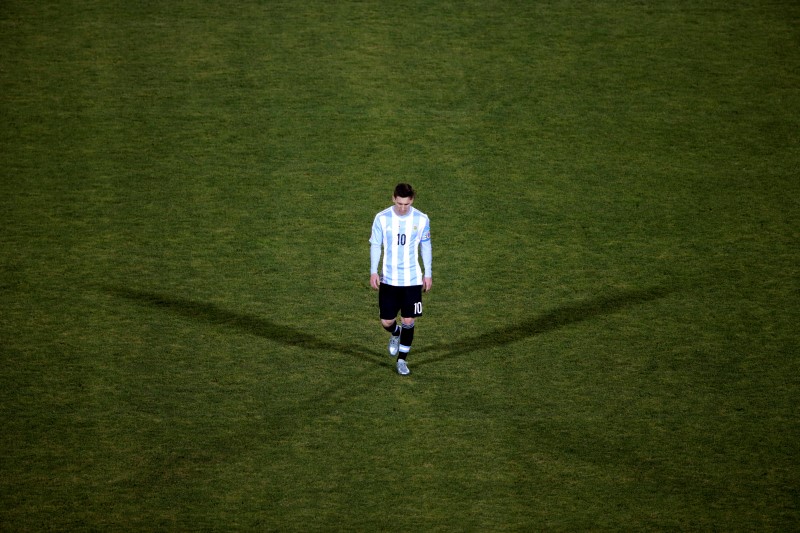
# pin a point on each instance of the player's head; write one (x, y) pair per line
(403, 198)
(404, 190)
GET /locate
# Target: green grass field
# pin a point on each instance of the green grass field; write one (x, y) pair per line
(187, 334)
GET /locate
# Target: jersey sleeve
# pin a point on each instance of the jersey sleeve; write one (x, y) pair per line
(376, 239)
(375, 242)
(426, 249)
(427, 257)
(426, 233)
(374, 258)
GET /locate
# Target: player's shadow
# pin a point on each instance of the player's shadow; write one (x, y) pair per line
(289, 336)
(549, 321)
(261, 327)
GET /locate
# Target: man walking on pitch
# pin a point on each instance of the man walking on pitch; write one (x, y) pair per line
(402, 233)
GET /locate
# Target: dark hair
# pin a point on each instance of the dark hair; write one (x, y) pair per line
(404, 190)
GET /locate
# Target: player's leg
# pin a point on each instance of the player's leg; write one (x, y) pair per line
(391, 326)
(411, 309)
(394, 330)
(389, 307)
(406, 337)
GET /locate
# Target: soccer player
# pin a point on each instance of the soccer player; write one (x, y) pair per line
(402, 233)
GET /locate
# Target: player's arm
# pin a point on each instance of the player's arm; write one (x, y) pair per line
(375, 243)
(375, 257)
(427, 259)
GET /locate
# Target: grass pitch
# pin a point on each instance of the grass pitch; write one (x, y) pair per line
(187, 335)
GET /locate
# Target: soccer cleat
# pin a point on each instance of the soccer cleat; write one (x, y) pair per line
(402, 367)
(394, 345)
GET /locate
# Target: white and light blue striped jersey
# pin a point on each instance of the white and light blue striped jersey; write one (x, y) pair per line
(402, 238)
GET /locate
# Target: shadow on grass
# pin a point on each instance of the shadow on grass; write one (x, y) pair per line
(260, 327)
(289, 336)
(552, 320)
(277, 421)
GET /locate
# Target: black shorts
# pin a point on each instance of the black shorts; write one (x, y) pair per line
(406, 300)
